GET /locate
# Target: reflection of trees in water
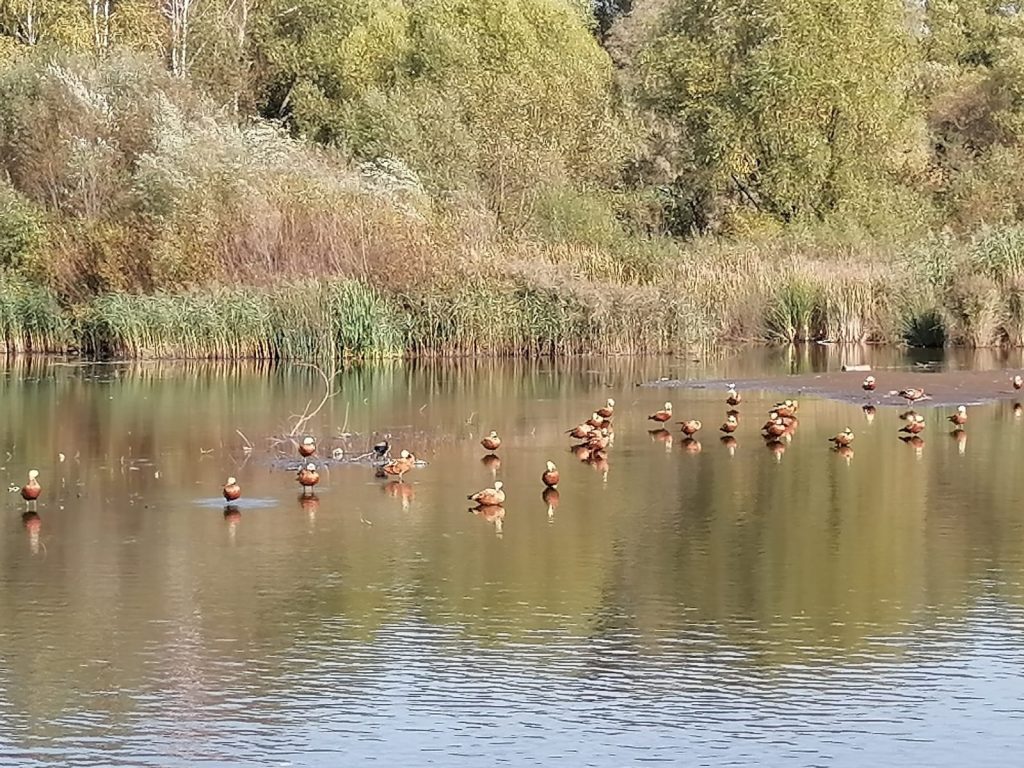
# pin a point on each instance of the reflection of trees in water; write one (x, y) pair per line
(804, 560)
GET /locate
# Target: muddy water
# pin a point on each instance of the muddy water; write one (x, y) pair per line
(705, 607)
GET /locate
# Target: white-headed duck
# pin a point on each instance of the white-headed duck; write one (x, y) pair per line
(843, 438)
(690, 427)
(550, 477)
(607, 411)
(960, 417)
(31, 490)
(489, 496)
(492, 442)
(663, 415)
(232, 491)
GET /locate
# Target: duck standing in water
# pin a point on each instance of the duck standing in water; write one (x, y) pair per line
(232, 491)
(581, 432)
(307, 447)
(730, 425)
(1017, 381)
(550, 477)
(843, 439)
(398, 467)
(912, 394)
(607, 411)
(663, 415)
(915, 425)
(492, 442)
(733, 398)
(31, 490)
(489, 497)
(960, 417)
(869, 384)
(308, 477)
(690, 427)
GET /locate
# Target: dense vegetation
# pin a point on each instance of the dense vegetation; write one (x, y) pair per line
(308, 177)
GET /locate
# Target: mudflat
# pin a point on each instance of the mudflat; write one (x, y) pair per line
(943, 388)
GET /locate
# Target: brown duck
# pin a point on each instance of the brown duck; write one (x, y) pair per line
(492, 442)
(869, 384)
(730, 425)
(733, 397)
(844, 438)
(307, 447)
(31, 490)
(232, 491)
(607, 411)
(550, 477)
(690, 427)
(663, 415)
(489, 497)
(308, 477)
(960, 417)
(398, 467)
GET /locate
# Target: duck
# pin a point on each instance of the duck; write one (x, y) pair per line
(960, 417)
(381, 450)
(869, 384)
(31, 490)
(308, 477)
(607, 411)
(595, 421)
(774, 427)
(912, 394)
(599, 441)
(690, 427)
(663, 415)
(915, 425)
(489, 497)
(786, 409)
(550, 477)
(1017, 381)
(398, 467)
(730, 425)
(232, 491)
(844, 438)
(581, 431)
(307, 447)
(492, 442)
(732, 397)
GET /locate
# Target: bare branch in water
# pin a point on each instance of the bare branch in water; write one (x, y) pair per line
(329, 392)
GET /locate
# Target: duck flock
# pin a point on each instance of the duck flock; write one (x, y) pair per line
(596, 437)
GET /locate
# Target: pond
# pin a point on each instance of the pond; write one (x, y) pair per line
(732, 605)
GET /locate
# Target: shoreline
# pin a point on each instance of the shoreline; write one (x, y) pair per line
(944, 388)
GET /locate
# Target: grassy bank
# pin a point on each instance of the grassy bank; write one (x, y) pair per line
(542, 300)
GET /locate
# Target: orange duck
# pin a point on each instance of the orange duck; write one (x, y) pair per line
(912, 394)
(690, 427)
(608, 410)
(582, 431)
(398, 467)
(869, 384)
(730, 425)
(663, 415)
(232, 491)
(308, 477)
(844, 438)
(307, 447)
(786, 409)
(489, 497)
(599, 441)
(595, 421)
(774, 427)
(960, 417)
(550, 477)
(492, 442)
(1017, 381)
(915, 425)
(732, 397)
(31, 490)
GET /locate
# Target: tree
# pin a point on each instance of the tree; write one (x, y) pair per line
(789, 109)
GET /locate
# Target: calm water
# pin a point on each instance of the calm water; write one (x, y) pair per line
(686, 608)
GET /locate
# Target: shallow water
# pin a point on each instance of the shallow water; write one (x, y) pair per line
(704, 608)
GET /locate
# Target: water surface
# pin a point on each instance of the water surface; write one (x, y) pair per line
(699, 608)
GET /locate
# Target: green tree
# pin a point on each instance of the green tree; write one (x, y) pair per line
(789, 109)
(490, 97)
